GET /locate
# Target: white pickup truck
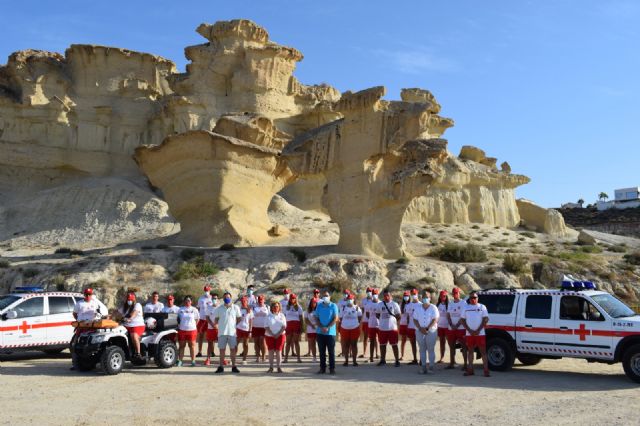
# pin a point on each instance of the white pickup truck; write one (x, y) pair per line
(576, 321)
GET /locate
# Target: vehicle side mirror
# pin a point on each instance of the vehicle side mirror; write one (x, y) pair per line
(10, 315)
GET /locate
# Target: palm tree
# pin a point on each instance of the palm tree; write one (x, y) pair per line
(603, 196)
(581, 202)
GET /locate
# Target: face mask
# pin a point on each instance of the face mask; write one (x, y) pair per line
(350, 302)
(414, 297)
(249, 292)
(375, 297)
(326, 300)
(207, 292)
(129, 302)
(286, 297)
(215, 302)
(369, 294)
(227, 300)
(405, 298)
(426, 300)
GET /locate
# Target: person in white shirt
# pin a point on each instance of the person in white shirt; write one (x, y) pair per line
(251, 297)
(474, 319)
(350, 316)
(372, 326)
(443, 322)
(425, 320)
(275, 332)
(171, 308)
(295, 318)
(204, 303)
(388, 315)
(188, 317)
(404, 321)
(365, 321)
(155, 306)
(226, 318)
(341, 304)
(212, 329)
(411, 328)
(244, 327)
(456, 332)
(312, 324)
(133, 316)
(260, 314)
(87, 309)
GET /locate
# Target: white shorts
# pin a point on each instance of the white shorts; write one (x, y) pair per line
(223, 341)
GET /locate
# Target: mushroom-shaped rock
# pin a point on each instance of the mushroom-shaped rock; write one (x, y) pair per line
(375, 160)
(219, 186)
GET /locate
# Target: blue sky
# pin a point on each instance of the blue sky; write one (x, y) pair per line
(551, 86)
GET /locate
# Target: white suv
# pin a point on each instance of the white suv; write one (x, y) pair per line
(31, 319)
(577, 321)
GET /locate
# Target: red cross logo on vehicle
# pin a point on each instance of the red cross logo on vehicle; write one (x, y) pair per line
(582, 332)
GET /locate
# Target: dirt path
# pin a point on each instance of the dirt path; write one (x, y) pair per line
(44, 391)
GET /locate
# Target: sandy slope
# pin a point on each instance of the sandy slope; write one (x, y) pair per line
(554, 392)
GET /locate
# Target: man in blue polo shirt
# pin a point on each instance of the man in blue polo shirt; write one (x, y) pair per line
(327, 314)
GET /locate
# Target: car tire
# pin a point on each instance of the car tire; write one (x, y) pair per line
(500, 354)
(631, 363)
(166, 354)
(86, 364)
(112, 360)
(529, 359)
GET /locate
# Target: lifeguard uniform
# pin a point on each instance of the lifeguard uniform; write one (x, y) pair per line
(153, 308)
(388, 325)
(455, 310)
(293, 315)
(204, 303)
(243, 327)
(260, 314)
(474, 315)
(188, 324)
(275, 322)
(443, 322)
(136, 324)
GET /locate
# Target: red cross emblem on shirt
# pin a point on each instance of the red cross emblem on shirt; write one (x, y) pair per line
(582, 332)
(24, 327)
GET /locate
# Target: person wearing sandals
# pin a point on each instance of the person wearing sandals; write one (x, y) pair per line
(294, 314)
(226, 317)
(388, 314)
(260, 314)
(188, 317)
(350, 316)
(275, 334)
(425, 320)
(443, 322)
(310, 321)
(326, 315)
(474, 319)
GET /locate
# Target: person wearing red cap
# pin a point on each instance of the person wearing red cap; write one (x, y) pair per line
(212, 329)
(154, 306)
(188, 318)
(411, 327)
(87, 309)
(365, 320)
(474, 319)
(171, 307)
(350, 316)
(133, 316)
(204, 303)
(244, 327)
(372, 326)
(388, 314)
(260, 314)
(456, 331)
(443, 322)
(312, 325)
(404, 321)
(295, 318)
(275, 332)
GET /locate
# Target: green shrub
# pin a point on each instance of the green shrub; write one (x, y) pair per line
(528, 234)
(590, 249)
(189, 253)
(196, 268)
(30, 273)
(516, 264)
(4, 263)
(60, 282)
(452, 252)
(227, 247)
(402, 261)
(633, 258)
(339, 284)
(190, 287)
(617, 249)
(574, 256)
(299, 254)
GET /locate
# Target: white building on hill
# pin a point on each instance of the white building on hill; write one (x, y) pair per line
(625, 198)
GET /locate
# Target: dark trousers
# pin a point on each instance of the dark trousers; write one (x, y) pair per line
(326, 343)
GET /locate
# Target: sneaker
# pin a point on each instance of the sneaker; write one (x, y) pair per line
(345, 364)
(355, 363)
(226, 362)
(321, 371)
(468, 373)
(207, 362)
(414, 362)
(381, 363)
(199, 355)
(234, 369)
(486, 373)
(279, 370)
(73, 368)
(332, 371)
(179, 364)
(424, 371)
(220, 370)
(193, 363)
(397, 364)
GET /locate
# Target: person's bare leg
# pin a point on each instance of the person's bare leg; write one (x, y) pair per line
(278, 360)
(372, 345)
(263, 343)
(257, 348)
(245, 349)
(466, 354)
(136, 342)
(469, 366)
(223, 351)
(383, 353)
(271, 356)
(181, 350)
(402, 344)
(485, 361)
(414, 350)
(395, 352)
(287, 348)
(354, 351)
(442, 348)
(452, 354)
(192, 350)
(365, 340)
(296, 339)
(200, 340)
(233, 351)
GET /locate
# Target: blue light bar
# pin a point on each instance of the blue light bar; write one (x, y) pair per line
(28, 290)
(578, 285)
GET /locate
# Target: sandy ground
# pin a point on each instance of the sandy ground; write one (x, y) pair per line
(38, 390)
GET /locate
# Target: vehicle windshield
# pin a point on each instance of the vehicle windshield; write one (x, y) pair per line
(613, 306)
(7, 300)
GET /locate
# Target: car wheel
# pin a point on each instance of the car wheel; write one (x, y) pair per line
(631, 363)
(500, 354)
(166, 354)
(528, 359)
(86, 364)
(112, 360)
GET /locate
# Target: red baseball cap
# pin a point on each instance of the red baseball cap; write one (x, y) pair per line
(206, 287)
(88, 291)
(369, 289)
(316, 291)
(131, 296)
(375, 291)
(406, 293)
(347, 291)
(414, 291)
(292, 296)
(443, 293)
(351, 297)
(286, 291)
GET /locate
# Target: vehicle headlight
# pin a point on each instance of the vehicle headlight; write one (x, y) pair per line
(97, 339)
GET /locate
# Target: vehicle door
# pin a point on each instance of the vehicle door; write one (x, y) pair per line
(584, 330)
(59, 319)
(535, 326)
(28, 326)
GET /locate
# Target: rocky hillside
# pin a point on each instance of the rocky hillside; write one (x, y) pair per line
(613, 221)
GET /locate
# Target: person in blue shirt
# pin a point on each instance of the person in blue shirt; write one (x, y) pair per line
(327, 315)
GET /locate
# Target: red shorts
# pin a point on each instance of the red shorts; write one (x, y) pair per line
(475, 341)
(454, 336)
(275, 343)
(442, 332)
(293, 327)
(411, 333)
(365, 327)
(350, 334)
(202, 326)
(403, 330)
(139, 330)
(388, 336)
(312, 336)
(257, 332)
(372, 332)
(187, 336)
(242, 334)
(212, 335)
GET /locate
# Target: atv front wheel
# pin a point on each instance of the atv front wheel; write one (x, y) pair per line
(112, 360)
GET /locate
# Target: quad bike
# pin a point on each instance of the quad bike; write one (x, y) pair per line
(109, 344)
